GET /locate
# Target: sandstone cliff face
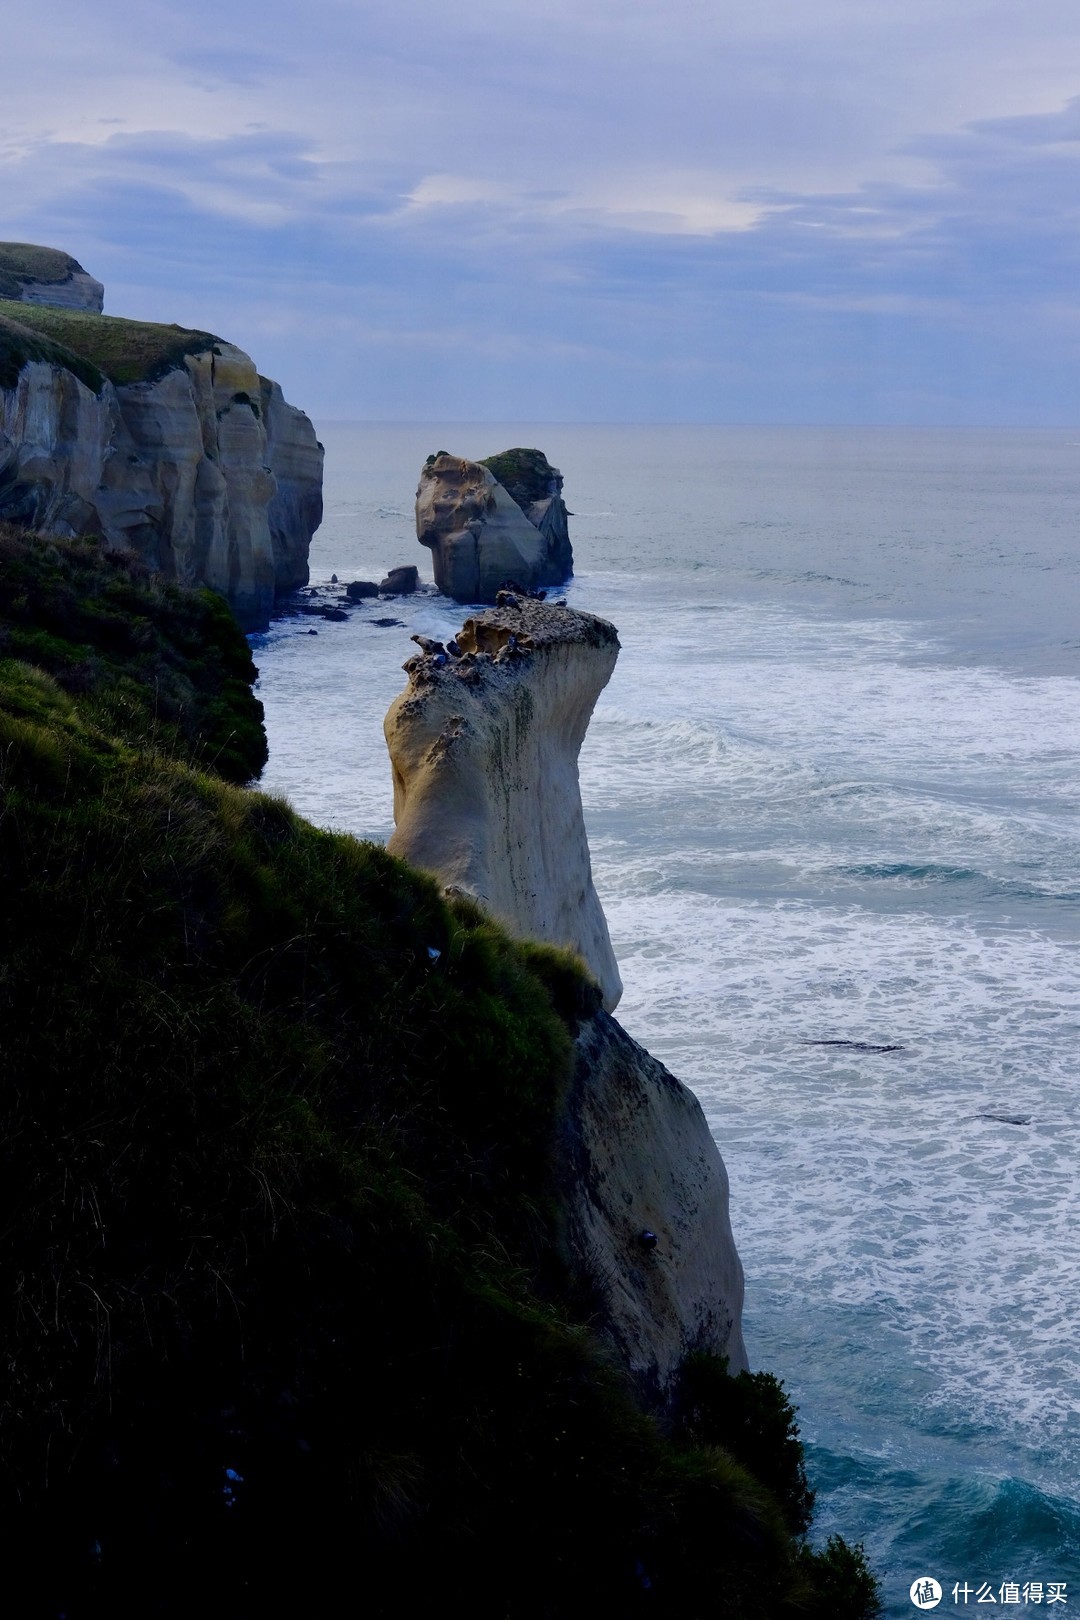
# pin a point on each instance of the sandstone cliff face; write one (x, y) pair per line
(480, 536)
(635, 1156)
(206, 472)
(484, 752)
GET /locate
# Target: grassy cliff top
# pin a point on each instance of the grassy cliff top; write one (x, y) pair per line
(23, 261)
(122, 350)
(525, 474)
(21, 341)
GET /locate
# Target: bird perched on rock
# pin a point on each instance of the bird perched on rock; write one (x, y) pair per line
(428, 646)
(452, 648)
(507, 599)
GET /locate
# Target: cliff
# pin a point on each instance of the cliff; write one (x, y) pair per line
(39, 275)
(490, 522)
(281, 1137)
(166, 442)
(484, 751)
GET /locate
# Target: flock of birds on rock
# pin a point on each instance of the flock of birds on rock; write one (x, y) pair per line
(509, 594)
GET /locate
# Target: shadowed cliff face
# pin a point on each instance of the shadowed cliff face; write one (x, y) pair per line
(484, 751)
(644, 1208)
(482, 531)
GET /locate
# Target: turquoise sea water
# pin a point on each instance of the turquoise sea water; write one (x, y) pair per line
(833, 796)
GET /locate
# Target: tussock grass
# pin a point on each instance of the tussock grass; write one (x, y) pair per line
(280, 1315)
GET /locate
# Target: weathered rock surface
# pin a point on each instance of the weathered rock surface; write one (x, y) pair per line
(635, 1155)
(480, 536)
(484, 746)
(484, 750)
(206, 472)
(36, 275)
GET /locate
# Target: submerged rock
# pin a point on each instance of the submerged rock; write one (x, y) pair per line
(482, 533)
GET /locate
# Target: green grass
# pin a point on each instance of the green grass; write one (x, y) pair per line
(524, 474)
(122, 350)
(20, 343)
(152, 664)
(275, 1199)
(22, 261)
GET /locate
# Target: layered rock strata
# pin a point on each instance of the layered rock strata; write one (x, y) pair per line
(484, 749)
(484, 746)
(206, 471)
(480, 535)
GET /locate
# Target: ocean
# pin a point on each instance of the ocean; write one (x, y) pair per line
(833, 802)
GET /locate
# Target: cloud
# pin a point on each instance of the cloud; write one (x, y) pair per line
(820, 210)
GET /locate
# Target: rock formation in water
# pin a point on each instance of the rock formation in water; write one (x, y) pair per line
(484, 746)
(484, 751)
(37, 275)
(165, 442)
(492, 521)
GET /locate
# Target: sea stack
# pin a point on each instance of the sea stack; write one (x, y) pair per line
(487, 522)
(484, 750)
(484, 746)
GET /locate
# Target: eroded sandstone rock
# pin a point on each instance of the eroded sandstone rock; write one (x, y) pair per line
(484, 746)
(206, 472)
(635, 1156)
(484, 749)
(480, 535)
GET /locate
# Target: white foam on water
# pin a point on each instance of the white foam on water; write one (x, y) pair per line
(833, 793)
(872, 1178)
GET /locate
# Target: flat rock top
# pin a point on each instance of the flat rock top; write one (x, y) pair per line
(540, 624)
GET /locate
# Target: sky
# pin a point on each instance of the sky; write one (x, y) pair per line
(822, 211)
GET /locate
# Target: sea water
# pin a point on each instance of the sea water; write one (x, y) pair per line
(833, 802)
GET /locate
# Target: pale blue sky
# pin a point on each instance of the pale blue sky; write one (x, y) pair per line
(799, 210)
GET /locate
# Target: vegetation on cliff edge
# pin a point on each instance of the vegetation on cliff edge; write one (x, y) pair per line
(24, 261)
(124, 351)
(526, 475)
(280, 1315)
